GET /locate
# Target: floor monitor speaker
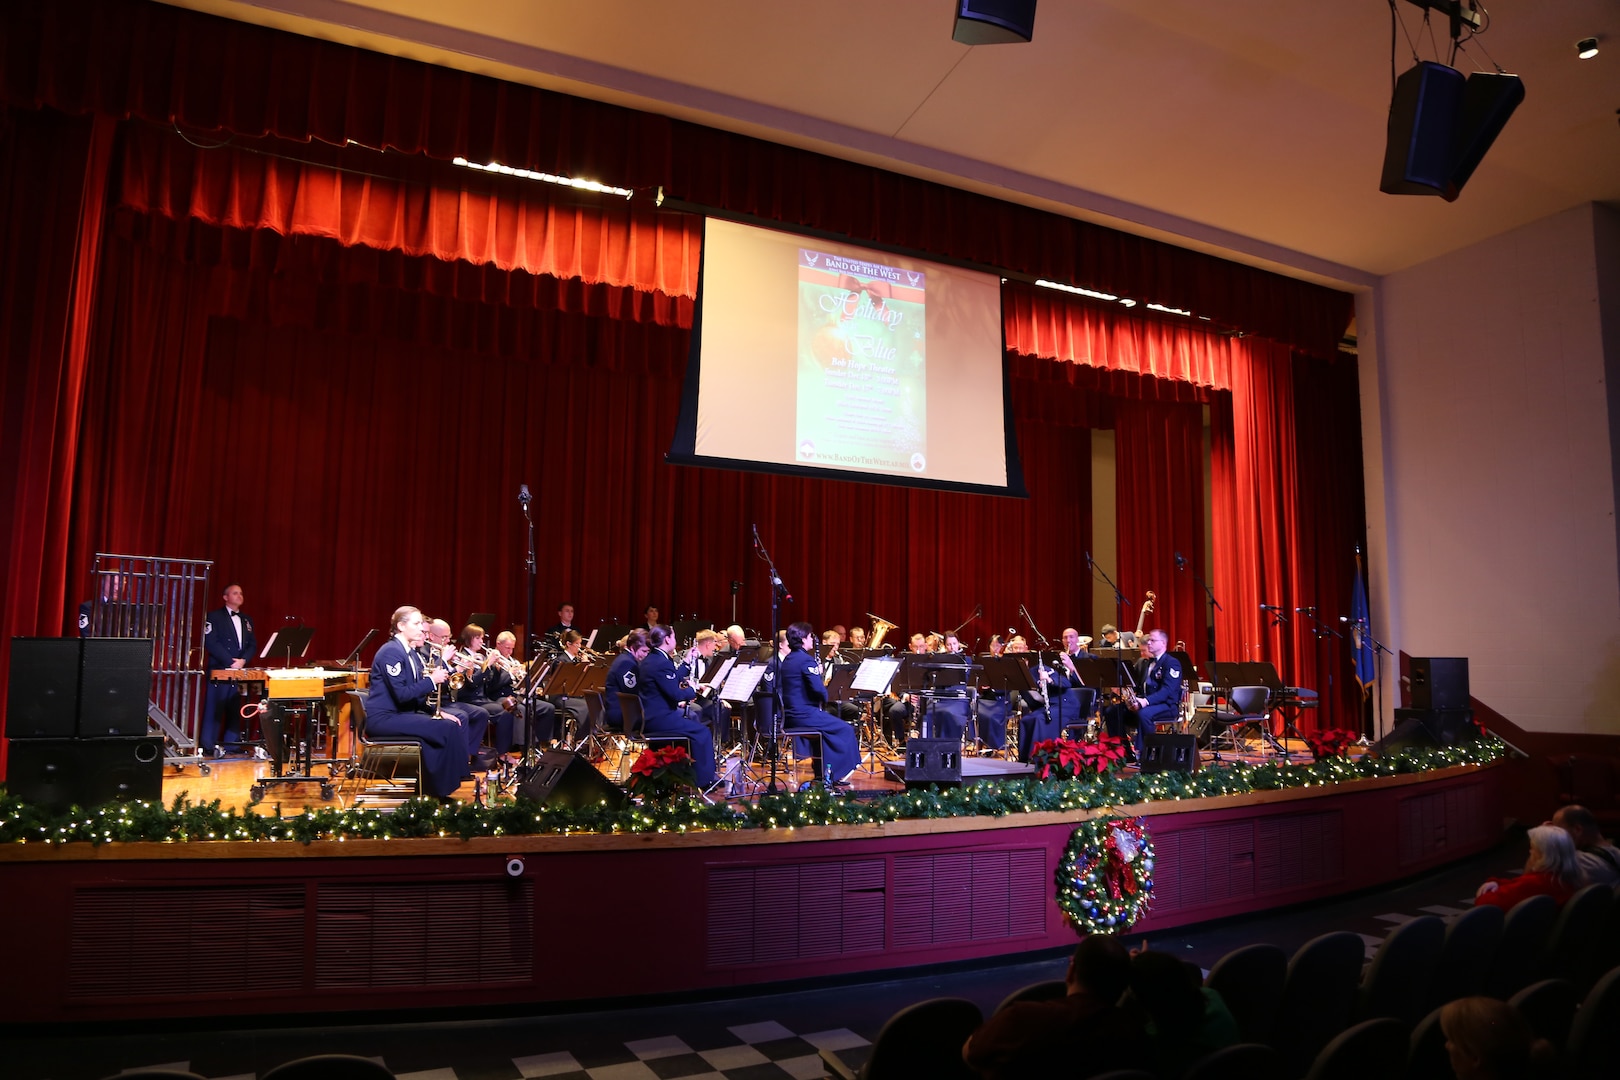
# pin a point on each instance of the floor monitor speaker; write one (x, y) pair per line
(42, 698)
(114, 686)
(565, 779)
(1169, 753)
(933, 761)
(994, 22)
(1416, 728)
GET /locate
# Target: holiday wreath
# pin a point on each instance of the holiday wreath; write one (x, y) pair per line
(1105, 878)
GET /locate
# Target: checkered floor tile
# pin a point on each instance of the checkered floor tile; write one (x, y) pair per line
(762, 1051)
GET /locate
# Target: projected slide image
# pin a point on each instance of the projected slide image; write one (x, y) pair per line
(862, 369)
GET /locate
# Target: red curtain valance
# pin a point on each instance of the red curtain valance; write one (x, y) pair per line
(1040, 323)
(165, 64)
(515, 226)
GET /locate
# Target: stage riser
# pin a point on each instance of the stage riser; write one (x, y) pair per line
(183, 936)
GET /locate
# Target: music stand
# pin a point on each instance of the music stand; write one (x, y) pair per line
(871, 681)
(294, 641)
(353, 656)
(486, 619)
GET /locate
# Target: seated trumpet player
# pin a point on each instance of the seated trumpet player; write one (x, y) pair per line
(572, 708)
(480, 678)
(474, 721)
(1156, 698)
(505, 685)
(397, 705)
(662, 687)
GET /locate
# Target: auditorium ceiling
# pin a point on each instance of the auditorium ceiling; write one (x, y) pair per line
(1251, 127)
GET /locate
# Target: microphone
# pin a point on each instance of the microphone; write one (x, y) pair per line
(1269, 607)
(1181, 561)
(523, 495)
(1312, 610)
(1088, 558)
(776, 580)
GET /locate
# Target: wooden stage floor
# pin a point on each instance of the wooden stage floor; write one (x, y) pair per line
(231, 780)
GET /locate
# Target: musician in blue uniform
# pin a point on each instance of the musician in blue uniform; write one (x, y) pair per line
(803, 694)
(504, 685)
(396, 705)
(1045, 721)
(474, 720)
(622, 678)
(1156, 698)
(229, 643)
(662, 687)
(480, 682)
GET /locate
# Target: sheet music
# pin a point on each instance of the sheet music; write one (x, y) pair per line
(742, 682)
(719, 677)
(875, 674)
(590, 642)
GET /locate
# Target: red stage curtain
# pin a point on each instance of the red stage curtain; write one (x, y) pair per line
(164, 64)
(1041, 323)
(339, 475)
(1159, 469)
(51, 204)
(1332, 522)
(426, 209)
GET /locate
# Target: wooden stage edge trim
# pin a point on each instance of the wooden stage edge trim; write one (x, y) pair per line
(205, 850)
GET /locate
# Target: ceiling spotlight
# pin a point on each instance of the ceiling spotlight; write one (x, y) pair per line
(1586, 48)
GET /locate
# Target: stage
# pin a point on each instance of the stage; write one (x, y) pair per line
(135, 930)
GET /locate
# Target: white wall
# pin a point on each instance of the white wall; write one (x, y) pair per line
(1491, 489)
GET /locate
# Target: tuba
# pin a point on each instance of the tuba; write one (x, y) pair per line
(874, 640)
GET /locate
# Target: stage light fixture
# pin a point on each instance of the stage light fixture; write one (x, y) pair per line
(545, 178)
(993, 22)
(1586, 48)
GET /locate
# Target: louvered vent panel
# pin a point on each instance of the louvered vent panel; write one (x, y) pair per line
(1200, 867)
(1431, 824)
(406, 933)
(1298, 850)
(971, 896)
(158, 941)
(755, 912)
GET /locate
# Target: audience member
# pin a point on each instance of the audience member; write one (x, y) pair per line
(1487, 1039)
(1080, 1034)
(1552, 871)
(1183, 1019)
(1599, 860)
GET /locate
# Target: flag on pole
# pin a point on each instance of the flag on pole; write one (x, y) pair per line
(1361, 632)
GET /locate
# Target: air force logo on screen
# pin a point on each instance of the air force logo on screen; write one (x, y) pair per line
(918, 462)
(807, 449)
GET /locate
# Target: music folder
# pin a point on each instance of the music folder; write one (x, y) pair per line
(741, 683)
(875, 674)
(288, 642)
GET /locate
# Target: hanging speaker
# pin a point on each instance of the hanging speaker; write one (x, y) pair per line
(994, 22)
(564, 778)
(1488, 100)
(1423, 118)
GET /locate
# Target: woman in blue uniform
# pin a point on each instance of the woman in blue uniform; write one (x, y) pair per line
(622, 679)
(663, 687)
(396, 705)
(803, 694)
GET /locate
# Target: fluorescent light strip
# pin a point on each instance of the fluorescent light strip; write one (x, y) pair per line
(547, 178)
(1170, 310)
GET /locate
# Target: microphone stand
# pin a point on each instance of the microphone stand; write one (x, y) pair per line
(1120, 604)
(1040, 661)
(530, 564)
(779, 720)
(1214, 606)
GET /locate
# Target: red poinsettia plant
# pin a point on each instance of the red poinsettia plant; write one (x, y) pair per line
(663, 772)
(1066, 758)
(1330, 742)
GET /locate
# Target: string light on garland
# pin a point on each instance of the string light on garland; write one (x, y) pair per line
(183, 821)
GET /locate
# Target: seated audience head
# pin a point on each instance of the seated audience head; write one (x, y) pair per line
(1101, 967)
(1160, 983)
(1581, 824)
(1487, 1039)
(1552, 851)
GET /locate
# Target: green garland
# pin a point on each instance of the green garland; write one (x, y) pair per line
(183, 821)
(1105, 878)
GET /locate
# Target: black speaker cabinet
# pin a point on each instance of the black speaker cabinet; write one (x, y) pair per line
(1423, 118)
(1169, 753)
(42, 699)
(114, 686)
(564, 778)
(933, 761)
(994, 22)
(1488, 100)
(1439, 682)
(56, 773)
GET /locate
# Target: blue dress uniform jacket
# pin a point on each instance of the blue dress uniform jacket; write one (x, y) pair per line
(803, 693)
(622, 678)
(658, 684)
(223, 702)
(1046, 722)
(1161, 686)
(396, 707)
